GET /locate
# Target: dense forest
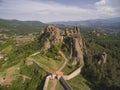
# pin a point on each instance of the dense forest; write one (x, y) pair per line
(105, 76)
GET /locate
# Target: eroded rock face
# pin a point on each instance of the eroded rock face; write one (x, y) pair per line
(54, 34)
(102, 58)
(47, 45)
(70, 36)
(77, 52)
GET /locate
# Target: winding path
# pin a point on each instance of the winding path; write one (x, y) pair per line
(54, 82)
(63, 78)
(24, 77)
(60, 69)
(66, 60)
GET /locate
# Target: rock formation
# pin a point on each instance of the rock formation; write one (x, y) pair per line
(2, 56)
(102, 58)
(70, 36)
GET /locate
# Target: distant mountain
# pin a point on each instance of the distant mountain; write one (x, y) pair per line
(20, 27)
(111, 23)
(17, 22)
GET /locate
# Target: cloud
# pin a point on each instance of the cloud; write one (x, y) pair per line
(52, 11)
(108, 8)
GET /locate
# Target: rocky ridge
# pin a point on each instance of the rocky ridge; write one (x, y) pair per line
(52, 36)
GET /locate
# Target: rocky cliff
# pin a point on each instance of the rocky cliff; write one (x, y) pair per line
(102, 58)
(52, 36)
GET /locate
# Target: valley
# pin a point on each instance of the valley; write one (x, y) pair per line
(27, 59)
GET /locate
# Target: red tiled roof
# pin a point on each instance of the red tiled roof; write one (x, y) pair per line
(55, 72)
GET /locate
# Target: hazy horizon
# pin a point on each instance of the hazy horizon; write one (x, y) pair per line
(59, 10)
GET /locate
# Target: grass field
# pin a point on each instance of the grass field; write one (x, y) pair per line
(59, 86)
(78, 83)
(47, 63)
(69, 68)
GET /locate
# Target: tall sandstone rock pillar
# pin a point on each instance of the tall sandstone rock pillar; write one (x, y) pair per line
(52, 36)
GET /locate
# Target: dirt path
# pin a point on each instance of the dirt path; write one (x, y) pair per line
(24, 77)
(60, 69)
(54, 82)
(64, 62)
(35, 53)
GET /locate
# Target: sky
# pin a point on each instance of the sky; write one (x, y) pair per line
(59, 10)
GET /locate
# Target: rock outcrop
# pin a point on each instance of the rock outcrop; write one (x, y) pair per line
(102, 58)
(2, 56)
(54, 34)
(70, 36)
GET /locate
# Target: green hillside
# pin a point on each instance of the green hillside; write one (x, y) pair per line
(94, 76)
(20, 27)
